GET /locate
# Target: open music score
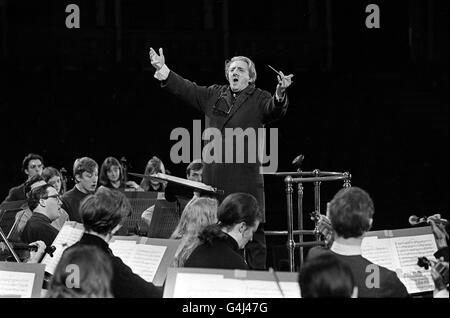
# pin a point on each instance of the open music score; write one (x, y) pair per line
(70, 233)
(21, 280)
(147, 257)
(226, 283)
(399, 250)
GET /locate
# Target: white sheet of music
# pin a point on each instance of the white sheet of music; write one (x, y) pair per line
(16, 284)
(67, 236)
(143, 259)
(400, 254)
(194, 285)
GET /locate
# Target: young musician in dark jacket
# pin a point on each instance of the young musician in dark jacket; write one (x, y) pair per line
(102, 214)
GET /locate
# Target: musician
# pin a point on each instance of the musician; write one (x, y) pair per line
(236, 105)
(112, 176)
(85, 171)
(103, 214)
(351, 214)
(220, 244)
(32, 165)
(24, 215)
(95, 273)
(199, 213)
(154, 165)
(325, 276)
(53, 177)
(45, 203)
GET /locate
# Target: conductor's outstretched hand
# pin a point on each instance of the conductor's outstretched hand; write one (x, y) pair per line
(157, 61)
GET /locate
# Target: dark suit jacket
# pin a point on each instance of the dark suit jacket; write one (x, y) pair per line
(39, 228)
(222, 252)
(252, 108)
(125, 284)
(389, 284)
(16, 193)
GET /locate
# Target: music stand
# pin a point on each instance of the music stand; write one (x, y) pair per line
(164, 220)
(140, 201)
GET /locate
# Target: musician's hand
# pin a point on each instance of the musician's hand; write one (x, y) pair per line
(157, 61)
(439, 283)
(284, 81)
(134, 185)
(36, 256)
(439, 231)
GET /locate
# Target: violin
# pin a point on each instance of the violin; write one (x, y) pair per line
(438, 265)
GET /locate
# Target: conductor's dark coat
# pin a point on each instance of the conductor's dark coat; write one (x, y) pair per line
(252, 108)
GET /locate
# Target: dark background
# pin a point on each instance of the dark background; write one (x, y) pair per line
(373, 102)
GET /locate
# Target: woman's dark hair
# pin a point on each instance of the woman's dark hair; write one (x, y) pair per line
(84, 271)
(103, 211)
(50, 172)
(326, 276)
(154, 165)
(234, 209)
(106, 165)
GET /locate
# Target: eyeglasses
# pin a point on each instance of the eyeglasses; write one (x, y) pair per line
(55, 196)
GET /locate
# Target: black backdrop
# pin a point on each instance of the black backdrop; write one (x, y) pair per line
(373, 102)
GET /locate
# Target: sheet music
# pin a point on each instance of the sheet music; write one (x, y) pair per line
(400, 254)
(66, 237)
(143, 259)
(16, 284)
(195, 285)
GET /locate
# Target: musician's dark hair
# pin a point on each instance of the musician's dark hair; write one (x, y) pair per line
(325, 276)
(154, 165)
(28, 158)
(84, 164)
(103, 211)
(50, 172)
(234, 209)
(350, 212)
(194, 166)
(37, 194)
(95, 274)
(106, 165)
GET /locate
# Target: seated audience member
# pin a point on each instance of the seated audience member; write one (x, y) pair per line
(325, 276)
(94, 270)
(198, 214)
(112, 176)
(23, 216)
(154, 165)
(45, 203)
(32, 165)
(350, 213)
(220, 244)
(103, 214)
(85, 171)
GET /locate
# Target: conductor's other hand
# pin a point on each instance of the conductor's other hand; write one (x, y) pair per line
(35, 256)
(157, 61)
(284, 81)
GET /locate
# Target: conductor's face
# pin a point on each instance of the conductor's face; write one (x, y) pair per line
(238, 76)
